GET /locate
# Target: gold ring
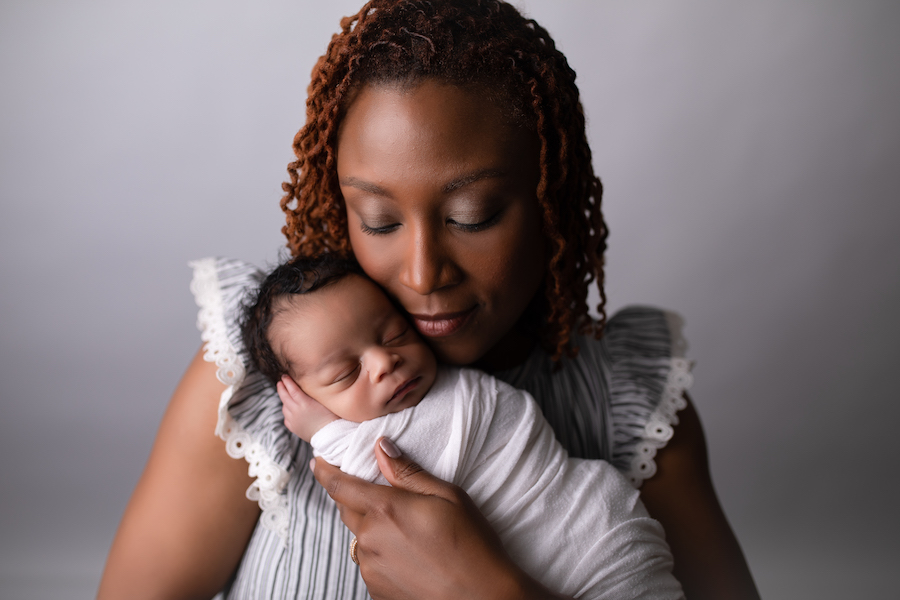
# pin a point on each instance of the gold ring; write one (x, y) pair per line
(353, 556)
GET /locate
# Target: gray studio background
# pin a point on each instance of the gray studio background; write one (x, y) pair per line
(750, 154)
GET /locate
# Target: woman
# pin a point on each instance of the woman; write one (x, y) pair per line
(445, 148)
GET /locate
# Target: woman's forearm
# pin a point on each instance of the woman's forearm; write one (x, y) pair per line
(188, 522)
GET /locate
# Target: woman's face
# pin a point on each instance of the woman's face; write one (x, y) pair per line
(442, 211)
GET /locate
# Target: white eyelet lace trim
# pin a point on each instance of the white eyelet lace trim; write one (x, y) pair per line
(270, 477)
(658, 430)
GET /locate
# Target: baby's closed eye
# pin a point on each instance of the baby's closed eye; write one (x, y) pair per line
(347, 375)
(396, 335)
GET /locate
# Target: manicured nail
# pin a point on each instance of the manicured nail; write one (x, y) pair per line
(390, 448)
(312, 465)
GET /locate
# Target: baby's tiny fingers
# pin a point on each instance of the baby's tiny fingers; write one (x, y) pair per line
(283, 393)
(294, 390)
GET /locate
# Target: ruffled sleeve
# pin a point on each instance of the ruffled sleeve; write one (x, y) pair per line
(647, 379)
(617, 399)
(250, 418)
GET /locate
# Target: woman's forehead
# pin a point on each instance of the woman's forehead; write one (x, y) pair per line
(435, 128)
(457, 97)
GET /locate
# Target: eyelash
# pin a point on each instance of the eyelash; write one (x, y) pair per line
(377, 230)
(344, 378)
(397, 337)
(466, 227)
(476, 227)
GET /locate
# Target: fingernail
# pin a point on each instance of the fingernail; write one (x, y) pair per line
(312, 465)
(389, 448)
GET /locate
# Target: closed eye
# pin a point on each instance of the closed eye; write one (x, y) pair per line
(383, 230)
(348, 376)
(396, 337)
(475, 227)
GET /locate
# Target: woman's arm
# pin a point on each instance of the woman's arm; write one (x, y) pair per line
(422, 537)
(708, 559)
(188, 522)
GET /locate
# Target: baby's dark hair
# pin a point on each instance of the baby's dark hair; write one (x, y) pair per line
(300, 275)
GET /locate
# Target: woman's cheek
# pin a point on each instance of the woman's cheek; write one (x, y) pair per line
(375, 255)
(513, 261)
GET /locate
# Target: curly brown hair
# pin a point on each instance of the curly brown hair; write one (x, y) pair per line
(486, 43)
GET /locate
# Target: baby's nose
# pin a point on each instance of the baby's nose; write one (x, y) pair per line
(382, 362)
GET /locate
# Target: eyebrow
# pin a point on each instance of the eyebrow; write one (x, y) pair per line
(472, 178)
(459, 182)
(366, 186)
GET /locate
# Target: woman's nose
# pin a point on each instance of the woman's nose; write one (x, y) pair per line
(380, 362)
(427, 265)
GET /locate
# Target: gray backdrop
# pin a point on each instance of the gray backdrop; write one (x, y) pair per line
(750, 154)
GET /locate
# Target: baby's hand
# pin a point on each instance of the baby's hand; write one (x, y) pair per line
(302, 415)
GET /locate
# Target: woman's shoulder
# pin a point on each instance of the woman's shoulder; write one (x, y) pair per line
(250, 419)
(224, 280)
(641, 354)
(617, 398)
(638, 331)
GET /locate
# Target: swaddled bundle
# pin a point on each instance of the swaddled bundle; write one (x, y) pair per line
(575, 525)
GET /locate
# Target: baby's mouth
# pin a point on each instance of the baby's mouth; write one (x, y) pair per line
(405, 388)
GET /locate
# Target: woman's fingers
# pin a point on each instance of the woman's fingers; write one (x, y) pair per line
(302, 414)
(403, 473)
(421, 537)
(353, 495)
(358, 499)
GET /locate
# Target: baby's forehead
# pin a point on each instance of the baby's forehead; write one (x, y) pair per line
(349, 294)
(332, 318)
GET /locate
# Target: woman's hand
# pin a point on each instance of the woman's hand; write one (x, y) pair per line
(302, 415)
(423, 537)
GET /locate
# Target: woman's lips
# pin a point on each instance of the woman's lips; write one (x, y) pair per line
(443, 324)
(406, 388)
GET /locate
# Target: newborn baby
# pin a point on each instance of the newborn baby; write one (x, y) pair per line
(575, 525)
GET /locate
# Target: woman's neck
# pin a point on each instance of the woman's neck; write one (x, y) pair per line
(511, 351)
(516, 346)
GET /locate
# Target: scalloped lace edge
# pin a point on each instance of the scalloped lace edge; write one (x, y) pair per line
(659, 428)
(270, 478)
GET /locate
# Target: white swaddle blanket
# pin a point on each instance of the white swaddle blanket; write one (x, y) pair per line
(575, 525)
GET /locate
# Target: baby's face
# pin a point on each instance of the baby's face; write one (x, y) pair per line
(347, 347)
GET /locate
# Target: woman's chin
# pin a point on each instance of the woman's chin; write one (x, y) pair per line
(457, 352)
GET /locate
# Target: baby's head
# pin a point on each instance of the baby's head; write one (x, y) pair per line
(338, 336)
